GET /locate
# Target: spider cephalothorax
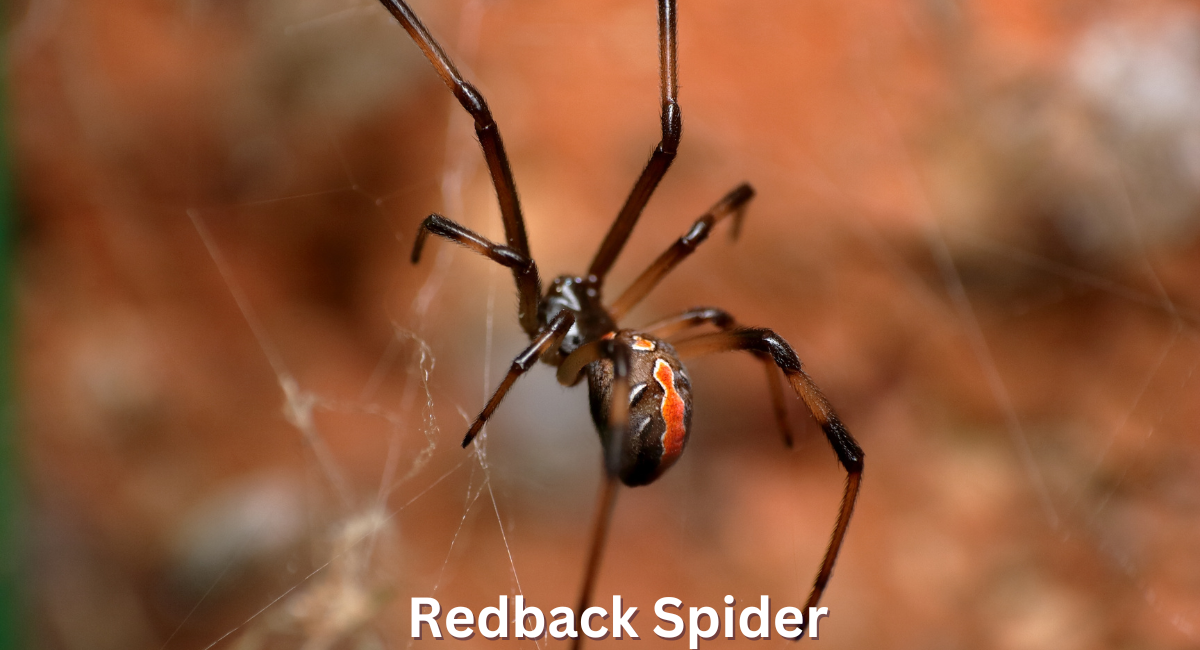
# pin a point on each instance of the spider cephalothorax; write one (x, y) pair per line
(581, 296)
(640, 393)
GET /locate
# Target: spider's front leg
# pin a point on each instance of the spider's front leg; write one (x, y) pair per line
(459, 234)
(528, 290)
(523, 266)
(850, 455)
(664, 154)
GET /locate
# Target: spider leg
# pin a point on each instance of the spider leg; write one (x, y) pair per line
(847, 450)
(503, 255)
(732, 204)
(618, 424)
(721, 318)
(604, 510)
(664, 153)
(549, 337)
(694, 317)
(570, 371)
(528, 285)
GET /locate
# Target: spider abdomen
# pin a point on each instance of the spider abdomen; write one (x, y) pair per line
(660, 407)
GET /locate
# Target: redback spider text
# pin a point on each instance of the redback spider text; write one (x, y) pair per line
(675, 620)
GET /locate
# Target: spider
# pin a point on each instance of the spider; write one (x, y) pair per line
(639, 391)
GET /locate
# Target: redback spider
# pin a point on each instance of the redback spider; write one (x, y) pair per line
(640, 394)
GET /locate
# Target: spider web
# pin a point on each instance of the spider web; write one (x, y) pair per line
(975, 222)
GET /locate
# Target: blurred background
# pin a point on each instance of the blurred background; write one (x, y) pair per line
(240, 405)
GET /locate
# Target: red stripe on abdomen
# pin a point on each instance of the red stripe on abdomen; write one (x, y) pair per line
(673, 411)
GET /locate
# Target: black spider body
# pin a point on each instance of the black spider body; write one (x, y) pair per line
(658, 390)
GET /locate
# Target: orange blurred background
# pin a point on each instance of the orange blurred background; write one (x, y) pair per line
(976, 223)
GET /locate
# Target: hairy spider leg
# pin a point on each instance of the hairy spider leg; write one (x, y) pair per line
(698, 316)
(529, 287)
(848, 452)
(664, 153)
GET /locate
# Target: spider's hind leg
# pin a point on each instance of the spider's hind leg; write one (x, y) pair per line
(850, 455)
(569, 373)
(699, 316)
